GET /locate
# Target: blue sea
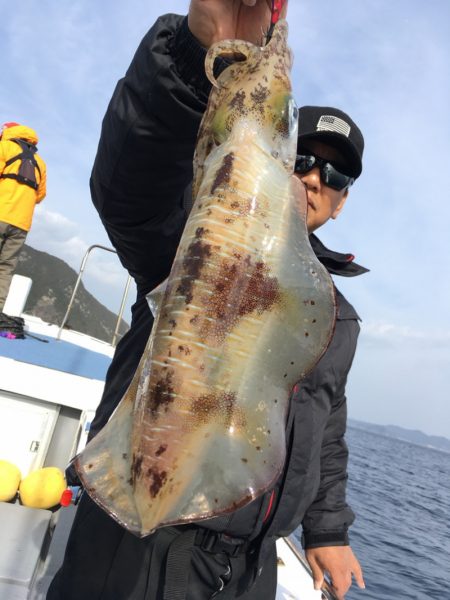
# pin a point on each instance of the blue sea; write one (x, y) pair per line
(400, 493)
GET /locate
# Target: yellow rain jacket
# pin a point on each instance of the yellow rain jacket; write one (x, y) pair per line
(17, 200)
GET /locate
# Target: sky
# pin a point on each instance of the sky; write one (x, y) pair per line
(385, 63)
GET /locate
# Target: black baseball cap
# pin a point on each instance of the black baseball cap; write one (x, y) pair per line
(334, 127)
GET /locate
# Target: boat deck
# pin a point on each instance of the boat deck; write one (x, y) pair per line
(59, 355)
(41, 366)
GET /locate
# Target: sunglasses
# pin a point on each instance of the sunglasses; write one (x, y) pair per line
(329, 175)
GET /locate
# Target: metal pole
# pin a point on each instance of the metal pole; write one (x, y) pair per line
(80, 274)
(122, 307)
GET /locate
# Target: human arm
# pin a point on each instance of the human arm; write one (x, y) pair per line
(144, 160)
(41, 192)
(326, 522)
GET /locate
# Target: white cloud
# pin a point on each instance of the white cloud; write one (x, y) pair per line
(405, 334)
(54, 233)
(58, 235)
(56, 224)
(107, 270)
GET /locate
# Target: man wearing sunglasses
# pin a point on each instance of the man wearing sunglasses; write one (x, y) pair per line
(329, 154)
(140, 186)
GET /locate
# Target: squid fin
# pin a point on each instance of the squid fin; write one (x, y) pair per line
(106, 466)
(155, 297)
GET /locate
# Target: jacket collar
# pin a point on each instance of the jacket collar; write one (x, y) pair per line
(335, 262)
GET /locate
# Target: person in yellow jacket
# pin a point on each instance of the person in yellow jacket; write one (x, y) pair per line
(22, 185)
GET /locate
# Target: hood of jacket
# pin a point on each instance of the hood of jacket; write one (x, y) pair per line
(22, 132)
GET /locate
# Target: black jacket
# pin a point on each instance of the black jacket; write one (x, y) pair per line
(140, 186)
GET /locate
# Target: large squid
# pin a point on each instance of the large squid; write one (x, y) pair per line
(247, 311)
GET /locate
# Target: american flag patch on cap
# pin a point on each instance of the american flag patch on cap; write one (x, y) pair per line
(330, 123)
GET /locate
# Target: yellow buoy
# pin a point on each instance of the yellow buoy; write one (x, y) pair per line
(43, 488)
(9, 480)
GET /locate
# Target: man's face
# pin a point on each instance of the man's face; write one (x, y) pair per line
(324, 203)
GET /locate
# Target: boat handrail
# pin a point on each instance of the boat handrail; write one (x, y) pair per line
(75, 289)
(327, 592)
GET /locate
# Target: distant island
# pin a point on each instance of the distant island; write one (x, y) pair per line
(400, 433)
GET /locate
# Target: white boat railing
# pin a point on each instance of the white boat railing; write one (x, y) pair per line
(77, 284)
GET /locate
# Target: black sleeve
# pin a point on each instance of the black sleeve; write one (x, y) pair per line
(144, 159)
(328, 518)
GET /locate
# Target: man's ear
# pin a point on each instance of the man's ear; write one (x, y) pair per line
(340, 206)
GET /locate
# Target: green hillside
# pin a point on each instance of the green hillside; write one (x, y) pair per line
(53, 283)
